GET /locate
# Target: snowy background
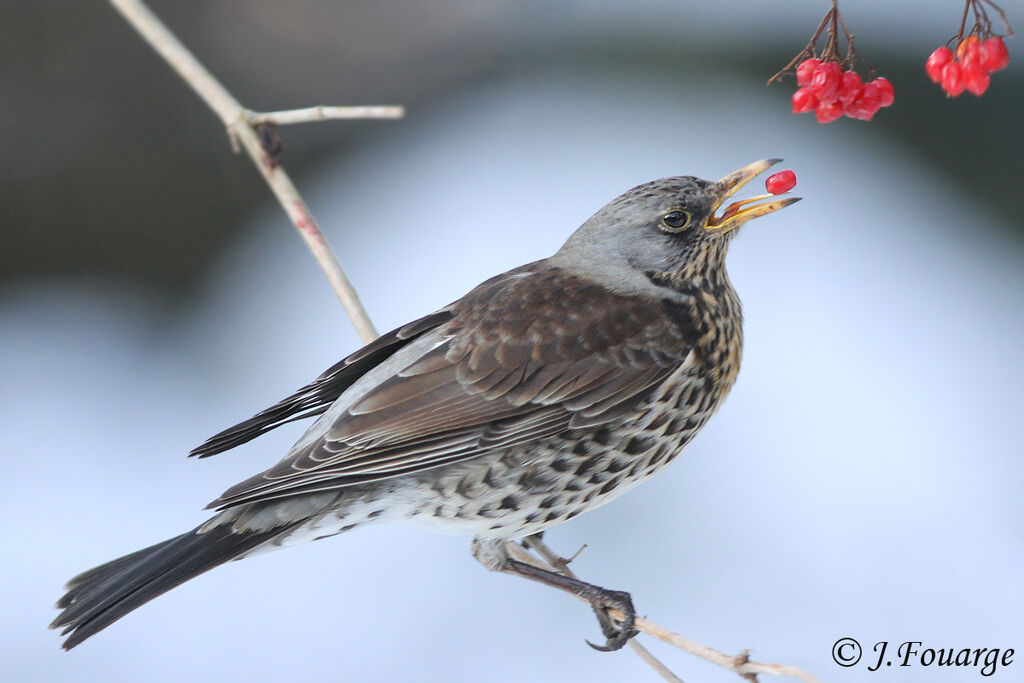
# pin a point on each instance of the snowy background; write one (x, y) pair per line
(862, 480)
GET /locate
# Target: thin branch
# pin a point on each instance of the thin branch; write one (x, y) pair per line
(739, 664)
(653, 662)
(549, 561)
(324, 113)
(240, 128)
(561, 565)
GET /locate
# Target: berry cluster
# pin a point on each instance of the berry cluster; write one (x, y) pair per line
(832, 93)
(970, 67)
(823, 85)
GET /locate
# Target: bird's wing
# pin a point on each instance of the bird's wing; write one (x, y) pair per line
(537, 355)
(314, 398)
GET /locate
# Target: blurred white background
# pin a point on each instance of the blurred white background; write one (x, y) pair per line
(862, 480)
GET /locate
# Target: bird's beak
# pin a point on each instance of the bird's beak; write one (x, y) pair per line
(738, 213)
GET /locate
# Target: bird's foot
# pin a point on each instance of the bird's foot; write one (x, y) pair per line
(617, 629)
(617, 632)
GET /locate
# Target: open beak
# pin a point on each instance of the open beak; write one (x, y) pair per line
(738, 213)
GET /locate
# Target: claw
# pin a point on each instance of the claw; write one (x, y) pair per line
(616, 633)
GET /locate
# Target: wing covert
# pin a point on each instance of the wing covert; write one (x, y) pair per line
(500, 373)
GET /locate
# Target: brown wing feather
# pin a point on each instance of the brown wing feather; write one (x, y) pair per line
(314, 398)
(539, 354)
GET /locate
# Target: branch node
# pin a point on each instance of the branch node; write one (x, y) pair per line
(242, 130)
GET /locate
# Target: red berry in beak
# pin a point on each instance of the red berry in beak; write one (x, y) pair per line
(780, 182)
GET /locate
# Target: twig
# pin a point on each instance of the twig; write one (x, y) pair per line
(830, 25)
(963, 21)
(548, 560)
(239, 122)
(324, 113)
(739, 664)
(653, 662)
(807, 51)
(982, 24)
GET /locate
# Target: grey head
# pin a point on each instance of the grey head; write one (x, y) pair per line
(666, 229)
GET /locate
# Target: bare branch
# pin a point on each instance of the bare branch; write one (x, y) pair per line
(740, 664)
(240, 128)
(324, 113)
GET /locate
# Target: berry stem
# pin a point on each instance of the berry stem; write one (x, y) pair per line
(831, 24)
(831, 51)
(982, 24)
(850, 52)
(1000, 12)
(833, 31)
(807, 51)
(963, 20)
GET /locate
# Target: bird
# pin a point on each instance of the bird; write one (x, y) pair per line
(543, 393)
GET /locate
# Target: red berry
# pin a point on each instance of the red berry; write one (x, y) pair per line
(936, 61)
(976, 79)
(852, 108)
(825, 80)
(866, 104)
(953, 79)
(968, 47)
(780, 182)
(885, 90)
(848, 86)
(871, 98)
(805, 70)
(993, 54)
(804, 100)
(828, 111)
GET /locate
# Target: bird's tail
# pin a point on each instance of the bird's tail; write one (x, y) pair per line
(97, 598)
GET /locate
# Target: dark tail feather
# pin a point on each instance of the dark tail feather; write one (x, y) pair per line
(99, 597)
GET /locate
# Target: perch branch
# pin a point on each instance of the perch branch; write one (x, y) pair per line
(323, 113)
(739, 664)
(241, 123)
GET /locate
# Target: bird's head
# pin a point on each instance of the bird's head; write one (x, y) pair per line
(671, 226)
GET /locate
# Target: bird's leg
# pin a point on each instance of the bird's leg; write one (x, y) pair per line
(617, 633)
(601, 599)
(535, 542)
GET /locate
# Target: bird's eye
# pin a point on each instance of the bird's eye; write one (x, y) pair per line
(674, 221)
